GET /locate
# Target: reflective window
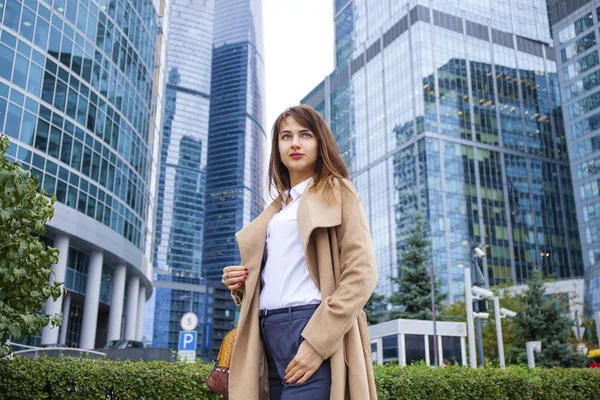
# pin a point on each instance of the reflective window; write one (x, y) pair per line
(415, 348)
(578, 47)
(77, 269)
(581, 65)
(390, 348)
(452, 351)
(584, 105)
(574, 29)
(581, 86)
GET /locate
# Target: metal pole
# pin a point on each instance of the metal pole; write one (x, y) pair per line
(435, 343)
(578, 334)
(470, 325)
(499, 332)
(479, 336)
(478, 323)
(597, 318)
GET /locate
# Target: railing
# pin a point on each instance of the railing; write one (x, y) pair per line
(35, 352)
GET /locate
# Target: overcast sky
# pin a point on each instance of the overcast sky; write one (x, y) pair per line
(298, 40)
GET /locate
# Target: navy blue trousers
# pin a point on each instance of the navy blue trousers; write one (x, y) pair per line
(281, 339)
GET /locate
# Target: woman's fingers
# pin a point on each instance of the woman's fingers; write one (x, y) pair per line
(306, 377)
(234, 276)
(235, 286)
(303, 365)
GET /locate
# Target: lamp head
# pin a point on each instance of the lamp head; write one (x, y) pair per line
(507, 313)
(479, 253)
(481, 315)
(481, 293)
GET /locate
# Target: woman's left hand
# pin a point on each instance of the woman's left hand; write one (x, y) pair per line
(306, 362)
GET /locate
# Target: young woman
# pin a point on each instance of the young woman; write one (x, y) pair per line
(308, 269)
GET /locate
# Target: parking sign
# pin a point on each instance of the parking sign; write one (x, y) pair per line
(187, 345)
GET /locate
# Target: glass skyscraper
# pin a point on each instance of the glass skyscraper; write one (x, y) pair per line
(178, 278)
(210, 171)
(76, 93)
(452, 109)
(237, 138)
(575, 25)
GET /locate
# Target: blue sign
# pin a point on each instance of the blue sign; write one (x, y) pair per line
(187, 340)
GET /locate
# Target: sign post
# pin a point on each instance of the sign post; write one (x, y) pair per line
(188, 337)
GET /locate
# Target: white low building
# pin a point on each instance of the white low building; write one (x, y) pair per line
(408, 340)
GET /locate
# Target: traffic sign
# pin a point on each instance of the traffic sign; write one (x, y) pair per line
(187, 340)
(187, 345)
(189, 321)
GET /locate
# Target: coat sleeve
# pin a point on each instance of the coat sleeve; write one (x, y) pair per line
(338, 312)
(237, 296)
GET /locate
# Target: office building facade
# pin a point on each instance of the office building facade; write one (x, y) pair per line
(577, 39)
(76, 88)
(452, 110)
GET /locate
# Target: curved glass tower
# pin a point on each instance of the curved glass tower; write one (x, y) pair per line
(76, 88)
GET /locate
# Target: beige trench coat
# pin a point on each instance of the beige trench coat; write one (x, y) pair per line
(341, 262)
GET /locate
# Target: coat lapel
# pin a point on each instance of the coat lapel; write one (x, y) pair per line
(251, 239)
(314, 211)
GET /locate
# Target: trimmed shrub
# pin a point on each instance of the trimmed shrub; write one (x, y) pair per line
(70, 378)
(74, 378)
(512, 383)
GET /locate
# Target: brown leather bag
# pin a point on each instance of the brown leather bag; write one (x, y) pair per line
(218, 380)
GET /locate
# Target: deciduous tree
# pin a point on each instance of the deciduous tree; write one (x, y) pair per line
(25, 260)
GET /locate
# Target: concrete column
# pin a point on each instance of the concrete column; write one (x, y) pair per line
(50, 335)
(133, 292)
(92, 297)
(64, 328)
(139, 332)
(116, 303)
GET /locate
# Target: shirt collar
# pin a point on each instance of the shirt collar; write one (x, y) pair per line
(297, 190)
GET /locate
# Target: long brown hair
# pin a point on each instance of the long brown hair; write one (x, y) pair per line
(329, 166)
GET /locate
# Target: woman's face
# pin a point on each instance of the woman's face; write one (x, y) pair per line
(298, 148)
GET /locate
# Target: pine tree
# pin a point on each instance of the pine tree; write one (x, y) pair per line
(414, 295)
(548, 321)
(376, 309)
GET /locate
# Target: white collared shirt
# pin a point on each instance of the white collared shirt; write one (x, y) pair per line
(285, 278)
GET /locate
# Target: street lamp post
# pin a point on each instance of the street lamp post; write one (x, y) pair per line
(479, 253)
(470, 325)
(433, 315)
(499, 332)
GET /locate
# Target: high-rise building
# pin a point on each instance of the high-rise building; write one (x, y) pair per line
(178, 279)
(452, 110)
(210, 181)
(575, 25)
(76, 93)
(237, 138)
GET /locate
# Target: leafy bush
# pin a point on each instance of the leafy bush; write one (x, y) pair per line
(73, 378)
(68, 378)
(514, 383)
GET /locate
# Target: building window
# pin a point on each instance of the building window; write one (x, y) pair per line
(415, 348)
(390, 348)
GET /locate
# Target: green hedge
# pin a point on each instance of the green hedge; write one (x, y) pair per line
(69, 378)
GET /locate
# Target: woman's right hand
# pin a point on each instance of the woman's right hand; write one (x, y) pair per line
(234, 276)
